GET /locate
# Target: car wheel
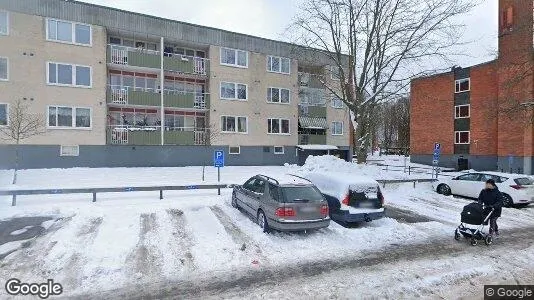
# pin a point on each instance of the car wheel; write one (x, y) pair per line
(262, 221)
(444, 189)
(457, 235)
(508, 202)
(234, 201)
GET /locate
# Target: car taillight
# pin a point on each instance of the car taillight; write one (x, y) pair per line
(324, 210)
(381, 197)
(285, 212)
(517, 187)
(345, 200)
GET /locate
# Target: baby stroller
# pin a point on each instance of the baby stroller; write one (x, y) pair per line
(475, 214)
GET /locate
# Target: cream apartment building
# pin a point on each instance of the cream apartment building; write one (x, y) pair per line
(116, 88)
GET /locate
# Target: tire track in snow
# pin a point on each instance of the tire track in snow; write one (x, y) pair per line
(144, 258)
(182, 239)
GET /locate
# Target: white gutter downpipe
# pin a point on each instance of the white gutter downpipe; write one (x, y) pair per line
(162, 84)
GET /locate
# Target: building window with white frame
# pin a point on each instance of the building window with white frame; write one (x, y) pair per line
(234, 150)
(4, 114)
(462, 137)
(232, 124)
(4, 69)
(462, 85)
(69, 150)
(68, 32)
(68, 75)
(4, 23)
(278, 95)
(69, 117)
(278, 65)
(462, 111)
(278, 126)
(337, 102)
(337, 128)
(234, 91)
(278, 149)
(234, 58)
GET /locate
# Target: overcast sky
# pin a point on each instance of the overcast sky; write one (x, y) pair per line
(270, 18)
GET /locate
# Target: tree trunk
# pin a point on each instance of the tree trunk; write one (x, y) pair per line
(203, 169)
(16, 163)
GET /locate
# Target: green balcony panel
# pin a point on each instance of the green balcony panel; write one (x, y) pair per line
(185, 138)
(178, 65)
(317, 111)
(144, 138)
(145, 60)
(180, 100)
(310, 139)
(207, 100)
(144, 98)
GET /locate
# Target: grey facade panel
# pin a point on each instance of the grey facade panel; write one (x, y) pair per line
(462, 98)
(462, 124)
(476, 162)
(461, 73)
(461, 149)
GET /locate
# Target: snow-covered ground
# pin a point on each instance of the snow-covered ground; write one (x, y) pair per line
(131, 238)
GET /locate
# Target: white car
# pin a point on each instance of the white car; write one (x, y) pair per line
(518, 190)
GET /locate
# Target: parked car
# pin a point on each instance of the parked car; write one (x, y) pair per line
(284, 203)
(351, 199)
(518, 190)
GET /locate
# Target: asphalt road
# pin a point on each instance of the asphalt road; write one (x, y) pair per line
(30, 227)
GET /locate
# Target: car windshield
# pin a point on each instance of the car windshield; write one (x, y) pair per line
(308, 193)
(524, 181)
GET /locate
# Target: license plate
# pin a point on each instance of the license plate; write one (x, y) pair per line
(308, 209)
(367, 205)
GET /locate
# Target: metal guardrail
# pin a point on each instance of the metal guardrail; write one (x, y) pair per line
(94, 191)
(415, 181)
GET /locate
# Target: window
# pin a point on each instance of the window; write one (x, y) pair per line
(233, 91)
(278, 150)
(469, 177)
(278, 95)
(234, 124)
(334, 73)
(234, 150)
(337, 102)
(233, 57)
(278, 64)
(3, 114)
(69, 151)
(274, 192)
(463, 85)
(68, 32)
(4, 23)
(67, 74)
(462, 137)
(4, 72)
(69, 117)
(278, 126)
(337, 128)
(462, 111)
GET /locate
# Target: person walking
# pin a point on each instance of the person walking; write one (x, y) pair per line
(492, 197)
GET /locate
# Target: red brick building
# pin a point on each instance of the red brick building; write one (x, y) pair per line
(478, 113)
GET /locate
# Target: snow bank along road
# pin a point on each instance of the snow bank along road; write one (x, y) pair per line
(194, 244)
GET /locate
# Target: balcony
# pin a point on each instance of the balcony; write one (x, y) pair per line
(143, 58)
(149, 97)
(151, 135)
(312, 139)
(312, 111)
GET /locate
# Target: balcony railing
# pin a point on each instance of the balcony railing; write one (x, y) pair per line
(312, 111)
(151, 97)
(312, 139)
(151, 135)
(127, 56)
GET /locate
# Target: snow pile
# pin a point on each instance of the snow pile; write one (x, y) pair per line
(338, 184)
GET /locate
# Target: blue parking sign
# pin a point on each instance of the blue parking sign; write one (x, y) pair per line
(218, 159)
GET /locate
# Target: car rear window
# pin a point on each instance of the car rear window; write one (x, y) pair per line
(303, 193)
(524, 181)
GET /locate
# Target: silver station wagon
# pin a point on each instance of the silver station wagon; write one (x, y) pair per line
(284, 203)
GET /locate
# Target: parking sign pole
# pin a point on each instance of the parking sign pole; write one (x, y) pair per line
(219, 179)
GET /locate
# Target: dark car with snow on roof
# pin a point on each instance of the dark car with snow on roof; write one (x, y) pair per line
(351, 199)
(282, 202)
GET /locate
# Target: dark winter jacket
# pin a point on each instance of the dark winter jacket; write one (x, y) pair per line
(492, 197)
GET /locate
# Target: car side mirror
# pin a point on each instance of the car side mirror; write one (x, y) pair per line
(455, 178)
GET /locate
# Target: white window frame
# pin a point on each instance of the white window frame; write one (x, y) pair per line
(337, 122)
(73, 127)
(236, 124)
(63, 153)
(334, 99)
(7, 22)
(280, 71)
(234, 153)
(457, 138)
(457, 84)
(7, 68)
(236, 58)
(73, 28)
(457, 111)
(235, 89)
(7, 114)
(278, 152)
(73, 75)
(279, 126)
(269, 95)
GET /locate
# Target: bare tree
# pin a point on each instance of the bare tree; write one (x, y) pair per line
(211, 134)
(394, 123)
(21, 125)
(375, 47)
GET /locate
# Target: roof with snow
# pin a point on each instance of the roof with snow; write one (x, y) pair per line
(317, 147)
